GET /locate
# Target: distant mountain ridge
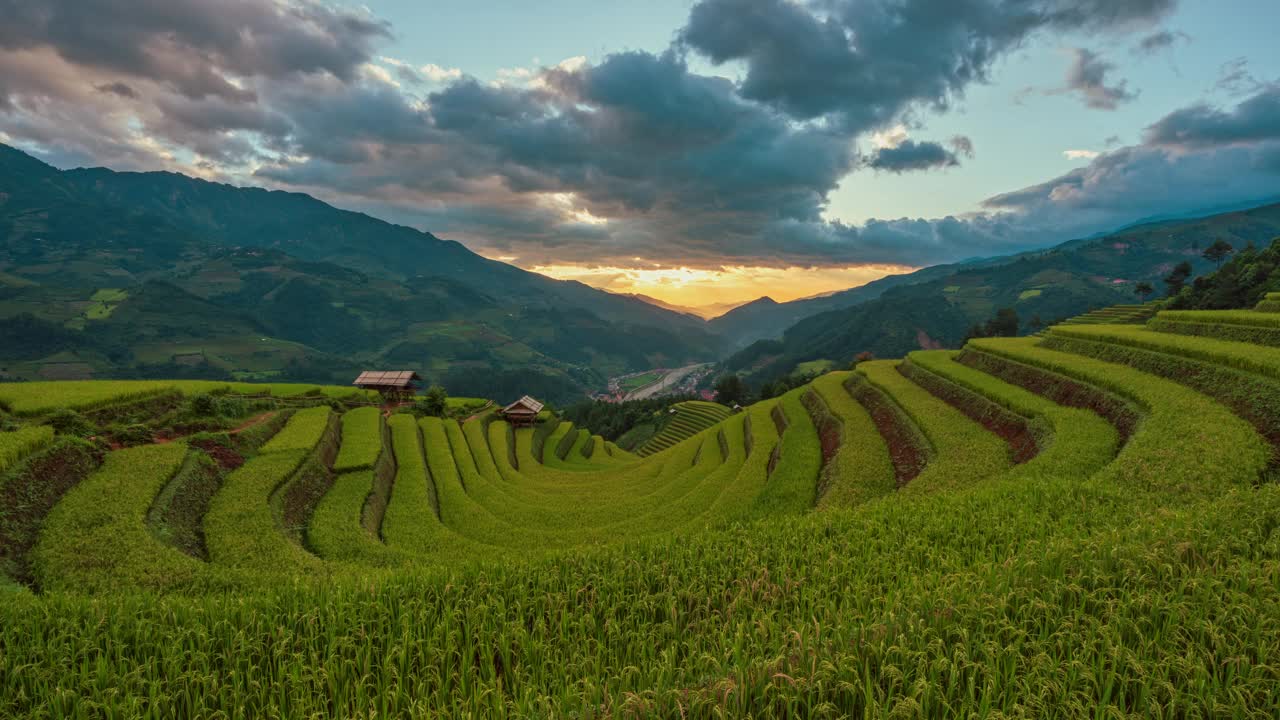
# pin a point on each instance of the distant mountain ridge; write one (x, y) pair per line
(328, 291)
(936, 306)
(149, 274)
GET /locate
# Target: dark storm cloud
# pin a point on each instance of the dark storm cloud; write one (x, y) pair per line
(1200, 126)
(193, 44)
(639, 133)
(912, 155)
(867, 62)
(1087, 77)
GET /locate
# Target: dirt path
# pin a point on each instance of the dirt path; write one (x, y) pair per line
(252, 422)
(480, 412)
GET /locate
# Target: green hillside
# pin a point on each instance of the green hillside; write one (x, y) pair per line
(934, 307)
(119, 275)
(1084, 524)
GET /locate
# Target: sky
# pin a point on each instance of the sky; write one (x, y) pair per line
(704, 152)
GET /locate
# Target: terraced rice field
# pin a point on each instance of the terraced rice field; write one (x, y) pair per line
(1115, 315)
(1084, 524)
(687, 419)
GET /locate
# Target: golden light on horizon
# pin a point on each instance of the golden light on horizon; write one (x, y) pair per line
(711, 291)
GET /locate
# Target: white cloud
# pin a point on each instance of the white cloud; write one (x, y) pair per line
(891, 138)
(379, 73)
(533, 76)
(437, 74)
(1080, 154)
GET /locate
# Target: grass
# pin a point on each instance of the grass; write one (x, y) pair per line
(1218, 450)
(361, 440)
(685, 420)
(861, 468)
(96, 538)
(635, 382)
(16, 445)
(814, 367)
(1241, 356)
(36, 398)
(964, 452)
(1126, 570)
(242, 530)
(302, 432)
(109, 295)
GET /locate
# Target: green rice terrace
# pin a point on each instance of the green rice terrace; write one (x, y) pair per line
(1083, 524)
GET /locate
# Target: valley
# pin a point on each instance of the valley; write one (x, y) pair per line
(99, 279)
(656, 383)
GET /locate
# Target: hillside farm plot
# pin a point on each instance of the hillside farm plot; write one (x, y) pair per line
(1083, 524)
(635, 382)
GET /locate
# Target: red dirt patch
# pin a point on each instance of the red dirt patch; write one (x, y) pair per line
(1014, 429)
(905, 449)
(29, 495)
(227, 458)
(1058, 388)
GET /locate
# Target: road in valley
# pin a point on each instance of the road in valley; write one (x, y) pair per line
(668, 381)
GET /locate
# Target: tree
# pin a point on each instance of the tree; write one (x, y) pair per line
(1004, 324)
(1143, 290)
(1035, 323)
(432, 404)
(864, 356)
(1176, 279)
(730, 390)
(1218, 251)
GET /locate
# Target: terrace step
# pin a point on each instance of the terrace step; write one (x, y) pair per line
(964, 452)
(1219, 450)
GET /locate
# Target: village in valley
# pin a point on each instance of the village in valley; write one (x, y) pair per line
(659, 382)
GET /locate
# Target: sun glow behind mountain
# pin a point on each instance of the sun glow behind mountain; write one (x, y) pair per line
(708, 291)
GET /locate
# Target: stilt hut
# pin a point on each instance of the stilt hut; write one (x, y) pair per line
(393, 385)
(523, 412)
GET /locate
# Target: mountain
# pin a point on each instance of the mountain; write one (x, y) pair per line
(692, 312)
(936, 307)
(137, 274)
(765, 318)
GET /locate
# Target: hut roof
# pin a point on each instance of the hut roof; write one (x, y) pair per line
(525, 402)
(387, 378)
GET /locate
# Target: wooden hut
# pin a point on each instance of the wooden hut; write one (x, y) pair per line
(523, 412)
(396, 385)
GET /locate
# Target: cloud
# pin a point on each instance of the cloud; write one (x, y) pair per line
(867, 62)
(197, 47)
(910, 155)
(1080, 154)
(1087, 76)
(1161, 40)
(1235, 79)
(634, 156)
(440, 75)
(117, 88)
(1202, 126)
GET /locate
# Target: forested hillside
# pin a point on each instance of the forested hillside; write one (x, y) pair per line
(1041, 287)
(106, 274)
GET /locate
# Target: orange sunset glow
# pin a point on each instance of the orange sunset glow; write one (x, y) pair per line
(711, 292)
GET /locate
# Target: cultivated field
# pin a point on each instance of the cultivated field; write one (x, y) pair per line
(1080, 524)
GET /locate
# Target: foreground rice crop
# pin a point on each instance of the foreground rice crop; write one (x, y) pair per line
(1060, 527)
